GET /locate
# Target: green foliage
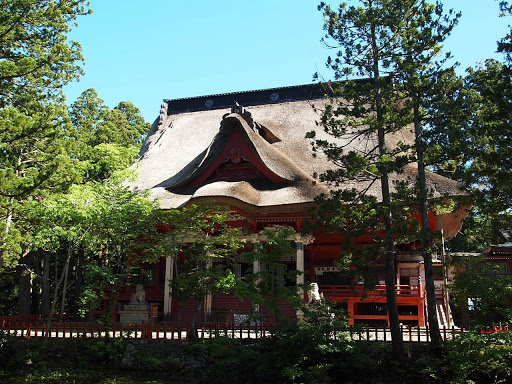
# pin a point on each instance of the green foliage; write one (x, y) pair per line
(315, 350)
(481, 290)
(100, 216)
(387, 52)
(199, 235)
(224, 360)
(295, 354)
(105, 140)
(298, 353)
(36, 59)
(273, 283)
(8, 293)
(103, 351)
(478, 140)
(33, 163)
(107, 221)
(505, 44)
(475, 136)
(474, 358)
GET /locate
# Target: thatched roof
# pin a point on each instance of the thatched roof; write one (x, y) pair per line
(193, 138)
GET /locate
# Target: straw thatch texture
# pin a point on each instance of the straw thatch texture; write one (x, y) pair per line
(184, 145)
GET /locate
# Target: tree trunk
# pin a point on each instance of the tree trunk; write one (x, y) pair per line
(180, 311)
(64, 290)
(199, 306)
(114, 296)
(45, 285)
(36, 288)
(8, 222)
(25, 285)
(436, 341)
(78, 283)
(71, 249)
(399, 352)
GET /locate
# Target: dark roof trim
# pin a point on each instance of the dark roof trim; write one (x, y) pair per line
(247, 98)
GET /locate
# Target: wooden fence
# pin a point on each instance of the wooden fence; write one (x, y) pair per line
(410, 334)
(30, 328)
(72, 330)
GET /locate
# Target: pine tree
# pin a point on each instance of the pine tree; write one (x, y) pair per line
(391, 44)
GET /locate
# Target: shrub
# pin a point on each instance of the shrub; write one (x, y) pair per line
(475, 358)
(103, 351)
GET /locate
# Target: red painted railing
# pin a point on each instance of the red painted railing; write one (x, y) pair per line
(334, 291)
(494, 329)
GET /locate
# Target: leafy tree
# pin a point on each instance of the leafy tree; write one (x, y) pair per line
(486, 289)
(474, 136)
(105, 140)
(33, 162)
(479, 141)
(112, 223)
(207, 246)
(86, 112)
(485, 158)
(273, 283)
(36, 59)
(474, 358)
(505, 44)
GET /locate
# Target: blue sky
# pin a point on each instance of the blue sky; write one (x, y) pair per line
(147, 51)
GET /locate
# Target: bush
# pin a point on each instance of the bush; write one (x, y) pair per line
(222, 360)
(475, 358)
(103, 351)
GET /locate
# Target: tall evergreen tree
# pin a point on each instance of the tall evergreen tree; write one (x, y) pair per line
(473, 133)
(391, 43)
(106, 140)
(418, 69)
(33, 163)
(36, 58)
(364, 40)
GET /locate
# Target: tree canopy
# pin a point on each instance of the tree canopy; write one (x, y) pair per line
(386, 52)
(36, 57)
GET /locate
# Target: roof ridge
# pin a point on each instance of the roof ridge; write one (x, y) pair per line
(246, 98)
(243, 92)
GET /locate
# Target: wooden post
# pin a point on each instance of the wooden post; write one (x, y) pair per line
(167, 285)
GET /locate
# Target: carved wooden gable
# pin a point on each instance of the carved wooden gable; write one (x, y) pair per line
(234, 154)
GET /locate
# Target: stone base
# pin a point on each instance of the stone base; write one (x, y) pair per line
(135, 314)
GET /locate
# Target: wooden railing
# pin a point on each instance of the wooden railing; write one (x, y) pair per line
(24, 319)
(70, 330)
(174, 333)
(357, 290)
(495, 328)
(410, 334)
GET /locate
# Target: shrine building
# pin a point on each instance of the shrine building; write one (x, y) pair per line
(247, 152)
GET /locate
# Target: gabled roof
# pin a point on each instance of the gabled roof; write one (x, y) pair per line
(256, 158)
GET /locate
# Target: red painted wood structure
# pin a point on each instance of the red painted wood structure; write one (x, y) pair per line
(256, 161)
